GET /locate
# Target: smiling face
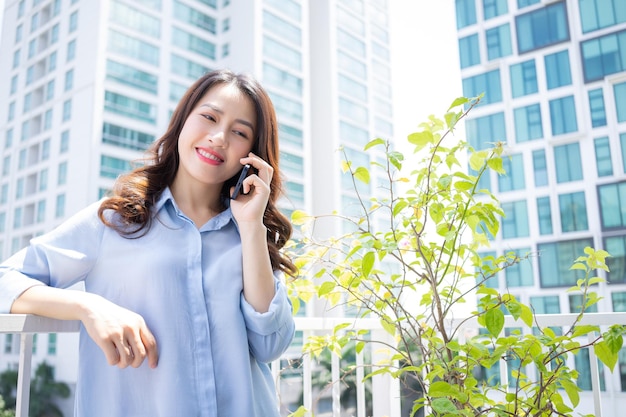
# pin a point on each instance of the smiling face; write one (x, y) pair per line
(217, 133)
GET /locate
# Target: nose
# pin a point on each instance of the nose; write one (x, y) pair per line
(217, 137)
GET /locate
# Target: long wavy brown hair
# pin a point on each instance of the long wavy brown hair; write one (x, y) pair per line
(135, 193)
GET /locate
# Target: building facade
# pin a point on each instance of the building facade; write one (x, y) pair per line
(554, 78)
(90, 84)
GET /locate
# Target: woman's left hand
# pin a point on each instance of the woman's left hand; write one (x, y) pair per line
(250, 204)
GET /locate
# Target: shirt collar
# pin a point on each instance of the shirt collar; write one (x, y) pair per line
(217, 222)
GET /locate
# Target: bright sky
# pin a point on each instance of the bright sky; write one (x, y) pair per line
(425, 63)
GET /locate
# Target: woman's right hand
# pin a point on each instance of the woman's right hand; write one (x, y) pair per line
(122, 334)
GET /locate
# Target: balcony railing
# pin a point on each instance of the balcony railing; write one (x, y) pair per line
(385, 391)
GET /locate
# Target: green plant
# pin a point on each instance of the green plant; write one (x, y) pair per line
(424, 264)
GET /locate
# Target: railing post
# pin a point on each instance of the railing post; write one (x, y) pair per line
(595, 378)
(23, 375)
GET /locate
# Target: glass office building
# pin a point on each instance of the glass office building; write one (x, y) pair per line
(89, 84)
(554, 78)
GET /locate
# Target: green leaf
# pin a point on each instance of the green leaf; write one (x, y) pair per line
(421, 139)
(463, 185)
(443, 406)
(362, 174)
(388, 325)
(572, 391)
(375, 142)
(368, 263)
(526, 315)
(603, 352)
(300, 412)
(299, 217)
(458, 102)
(477, 160)
(494, 321)
(326, 288)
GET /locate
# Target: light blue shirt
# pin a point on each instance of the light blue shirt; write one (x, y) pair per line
(187, 284)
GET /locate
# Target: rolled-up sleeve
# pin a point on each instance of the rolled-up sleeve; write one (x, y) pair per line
(59, 258)
(270, 333)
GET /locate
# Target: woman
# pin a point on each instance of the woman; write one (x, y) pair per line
(182, 289)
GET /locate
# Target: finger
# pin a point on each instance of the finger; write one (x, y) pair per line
(110, 353)
(125, 353)
(149, 342)
(137, 351)
(264, 170)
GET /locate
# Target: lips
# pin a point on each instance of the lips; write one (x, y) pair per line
(207, 154)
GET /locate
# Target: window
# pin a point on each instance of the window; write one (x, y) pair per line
(465, 13)
(612, 200)
(225, 25)
(52, 344)
(290, 135)
(604, 163)
(41, 211)
(558, 71)
(525, 3)
(619, 91)
(65, 141)
(69, 80)
(498, 42)
(488, 83)
(43, 179)
(62, 173)
(193, 43)
(50, 90)
(192, 16)
(573, 208)
(622, 140)
(281, 28)
(129, 107)
(576, 304)
(284, 54)
(135, 19)
(469, 51)
(71, 50)
(545, 305)
(350, 43)
(133, 48)
(568, 163)
(19, 29)
(618, 299)
(542, 27)
(523, 78)
(514, 177)
(528, 125)
(544, 214)
(603, 55)
(520, 274)
(348, 64)
(346, 85)
(515, 220)
(493, 8)
(596, 107)
(555, 260)
(67, 110)
(187, 68)
(131, 76)
(73, 22)
(582, 365)
(16, 59)
(563, 115)
(111, 167)
(485, 273)
(287, 107)
(126, 138)
(598, 14)
(617, 261)
(483, 132)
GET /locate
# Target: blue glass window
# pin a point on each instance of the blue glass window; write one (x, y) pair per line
(563, 115)
(515, 220)
(525, 3)
(523, 78)
(493, 8)
(483, 132)
(617, 261)
(619, 91)
(622, 139)
(465, 13)
(612, 200)
(488, 83)
(469, 51)
(604, 55)
(484, 183)
(556, 259)
(558, 71)
(596, 108)
(604, 163)
(131, 76)
(498, 42)
(544, 215)
(540, 167)
(598, 14)
(568, 163)
(573, 208)
(542, 27)
(514, 177)
(528, 124)
(520, 274)
(484, 272)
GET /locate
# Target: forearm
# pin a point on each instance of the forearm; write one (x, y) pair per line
(258, 277)
(52, 302)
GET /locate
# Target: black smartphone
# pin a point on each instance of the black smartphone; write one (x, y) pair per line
(242, 176)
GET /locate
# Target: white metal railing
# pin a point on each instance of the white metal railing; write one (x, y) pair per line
(385, 390)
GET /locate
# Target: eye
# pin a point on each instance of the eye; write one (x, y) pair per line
(208, 117)
(240, 133)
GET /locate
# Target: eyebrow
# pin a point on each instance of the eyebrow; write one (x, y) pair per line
(220, 111)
